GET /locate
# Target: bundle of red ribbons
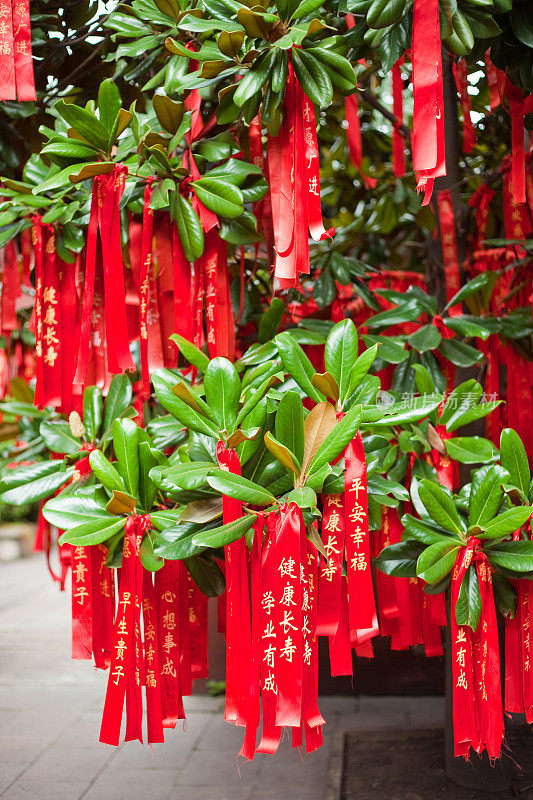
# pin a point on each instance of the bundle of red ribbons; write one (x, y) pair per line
(16, 67)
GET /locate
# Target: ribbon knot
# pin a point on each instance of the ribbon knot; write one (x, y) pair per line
(138, 524)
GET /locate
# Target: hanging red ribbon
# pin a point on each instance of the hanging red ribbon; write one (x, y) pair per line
(398, 154)
(460, 74)
(361, 605)
(105, 219)
(293, 165)
(492, 81)
(144, 287)
(449, 247)
(428, 99)
(127, 671)
(480, 201)
(16, 64)
(10, 290)
(220, 325)
(477, 704)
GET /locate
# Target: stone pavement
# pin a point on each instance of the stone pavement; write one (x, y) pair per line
(50, 710)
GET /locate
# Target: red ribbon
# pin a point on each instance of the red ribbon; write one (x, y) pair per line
(449, 247)
(126, 674)
(144, 287)
(22, 48)
(477, 704)
(293, 165)
(239, 698)
(398, 154)
(361, 605)
(480, 201)
(105, 218)
(460, 74)
(493, 82)
(10, 290)
(170, 629)
(428, 100)
(220, 324)
(37, 240)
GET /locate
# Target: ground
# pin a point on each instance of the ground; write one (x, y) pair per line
(50, 711)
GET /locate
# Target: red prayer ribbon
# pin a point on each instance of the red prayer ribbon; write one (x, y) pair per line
(105, 219)
(477, 704)
(460, 74)
(449, 247)
(428, 99)
(398, 154)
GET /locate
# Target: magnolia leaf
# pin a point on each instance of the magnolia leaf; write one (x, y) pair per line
(282, 453)
(318, 424)
(226, 534)
(121, 503)
(202, 511)
(326, 383)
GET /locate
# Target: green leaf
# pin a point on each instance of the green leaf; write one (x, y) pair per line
(222, 392)
(186, 415)
(336, 440)
(147, 488)
(486, 495)
(189, 227)
(92, 411)
(70, 510)
(399, 559)
(470, 449)
(289, 423)
(95, 532)
(505, 523)
(436, 561)
(33, 482)
(84, 123)
(206, 574)
(240, 488)
(440, 506)
(271, 320)
(306, 8)
(312, 77)
(118, 399)
(221, 197)
(189, 351)
(58, 437)
(468, 608)
(360, 370)
(174, 542)
(255, 78)
(340, 354)
(282, 453)
(297, 364)
(225, 534)
(105, 472)
(514, 459)
(125, 445)
(182, 477)
(109, 103)
(339, 70)
(460, 354)
(149, 559)
(514, 556)
(423, 531)
(425, 338)
(468, 289)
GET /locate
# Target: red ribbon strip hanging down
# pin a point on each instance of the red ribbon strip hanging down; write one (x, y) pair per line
(10, 290)
(105, 219)
(127, 671)
(287, 648)
(353, 130)
(239, 707)
(294, 179)
(398, 144)
(220, 326)
(144, 287)
(492, 81)
(362, 615)
(460, 74)
(428, 100)
(449, 247)
(480, 201)
(16, 65)
(519, 106)
(477, 703)
(171, 633)
(38, 248)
